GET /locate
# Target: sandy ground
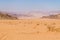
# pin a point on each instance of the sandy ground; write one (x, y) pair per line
(29, 29)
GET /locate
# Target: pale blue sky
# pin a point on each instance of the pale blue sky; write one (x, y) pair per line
(29, 5)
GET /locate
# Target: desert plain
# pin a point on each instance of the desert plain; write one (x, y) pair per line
(30, 29)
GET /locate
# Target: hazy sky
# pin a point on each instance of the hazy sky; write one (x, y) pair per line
(29, 5)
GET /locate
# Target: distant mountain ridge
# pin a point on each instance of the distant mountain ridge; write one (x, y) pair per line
(6, 16)
(31, 14)
(57, 16)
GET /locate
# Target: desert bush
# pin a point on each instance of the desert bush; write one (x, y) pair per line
(45, 24)
(54, 24)
(38, 24)
(51, 28)
(57, 29)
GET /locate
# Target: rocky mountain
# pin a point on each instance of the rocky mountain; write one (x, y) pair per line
(6, 16)
(57, 16)
(31, 14)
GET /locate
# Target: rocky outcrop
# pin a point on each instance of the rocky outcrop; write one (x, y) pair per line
(6, 16)
(57, 16)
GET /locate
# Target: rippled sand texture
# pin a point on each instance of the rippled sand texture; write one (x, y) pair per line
(30, 29)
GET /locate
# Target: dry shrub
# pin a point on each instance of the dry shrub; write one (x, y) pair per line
(53, 29)
(57, 29)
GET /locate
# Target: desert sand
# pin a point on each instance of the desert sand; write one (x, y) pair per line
(29, 29)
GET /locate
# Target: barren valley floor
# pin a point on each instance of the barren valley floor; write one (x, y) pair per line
(29, 29)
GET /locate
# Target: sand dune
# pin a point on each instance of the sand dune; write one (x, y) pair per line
(29, 29)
